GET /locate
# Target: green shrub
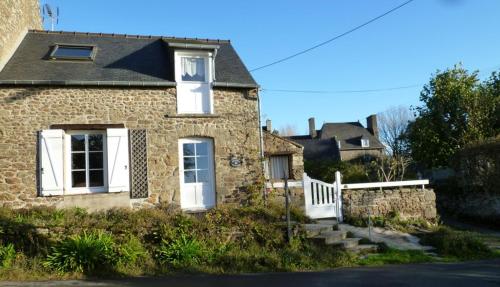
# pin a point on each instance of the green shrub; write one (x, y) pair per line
(131, 251)
(459, 244)
(7, 255)
(325, 170)
(87, 252)
(180, 252)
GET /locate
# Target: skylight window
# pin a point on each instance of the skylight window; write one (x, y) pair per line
(73, 52)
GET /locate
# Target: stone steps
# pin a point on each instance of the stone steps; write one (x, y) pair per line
(326, 231)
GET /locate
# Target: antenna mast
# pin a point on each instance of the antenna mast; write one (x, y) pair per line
(49, 13)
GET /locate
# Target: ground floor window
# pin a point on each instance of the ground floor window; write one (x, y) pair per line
(83, 161)
(279, 167)
(86, 154)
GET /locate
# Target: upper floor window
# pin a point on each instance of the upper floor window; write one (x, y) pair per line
(194, 76)
(73, 52)
(365, 143)
(193, 69)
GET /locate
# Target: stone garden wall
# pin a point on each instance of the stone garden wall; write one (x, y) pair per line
(407, 202)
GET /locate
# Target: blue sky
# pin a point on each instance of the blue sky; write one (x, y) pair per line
(402, 49)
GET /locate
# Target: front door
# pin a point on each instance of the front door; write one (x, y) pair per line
(196, 174)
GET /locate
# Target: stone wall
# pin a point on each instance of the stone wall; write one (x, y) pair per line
(234, 129)
(407, 202)
(276, 145)
(16, 17)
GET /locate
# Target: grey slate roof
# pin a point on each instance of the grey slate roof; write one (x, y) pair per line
(120, 60)
(349, 135)
(323, 146)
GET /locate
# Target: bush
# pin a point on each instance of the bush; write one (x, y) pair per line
(87, 252)
(7, 255)
(459, 244)
(325, 170)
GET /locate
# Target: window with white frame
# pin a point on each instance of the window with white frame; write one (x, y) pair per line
(80, 161)
(194, 76)
(365, 143)
(86, 153)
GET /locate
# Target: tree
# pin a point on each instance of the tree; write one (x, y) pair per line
(393, 124)
(457, 110)
(288, 130)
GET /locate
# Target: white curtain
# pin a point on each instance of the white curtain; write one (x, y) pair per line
(193, 69)
(279, 167)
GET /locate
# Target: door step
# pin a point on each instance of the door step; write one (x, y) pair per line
(315, 229)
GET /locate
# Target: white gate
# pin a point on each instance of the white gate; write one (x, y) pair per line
(323, 200)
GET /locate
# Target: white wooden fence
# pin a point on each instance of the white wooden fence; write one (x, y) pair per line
(324, 200)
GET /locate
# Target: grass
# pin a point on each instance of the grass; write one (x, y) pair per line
(459, 245)
(45, 243)
(394, 256)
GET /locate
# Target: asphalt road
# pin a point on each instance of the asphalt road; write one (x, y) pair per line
(475, 274)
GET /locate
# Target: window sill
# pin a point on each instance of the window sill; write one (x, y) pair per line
(192, 116)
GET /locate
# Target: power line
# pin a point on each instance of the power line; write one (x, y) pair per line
(342, 91)
(334, 38)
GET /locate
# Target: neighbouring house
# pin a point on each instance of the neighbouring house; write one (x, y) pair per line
(105, 120)
(341, 141)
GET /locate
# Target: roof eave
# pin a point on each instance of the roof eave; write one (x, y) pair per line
(87, 83)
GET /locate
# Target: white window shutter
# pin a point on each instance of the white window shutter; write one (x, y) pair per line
(51, 162)
(118, 160)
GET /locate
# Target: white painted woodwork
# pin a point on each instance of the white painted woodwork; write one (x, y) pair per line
(194, 97)
(118, 160)
(51, 162)
(198, 194)
(421, 182)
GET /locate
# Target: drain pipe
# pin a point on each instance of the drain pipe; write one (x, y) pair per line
(261, 135)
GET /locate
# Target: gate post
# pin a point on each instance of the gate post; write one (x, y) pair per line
(338, 195)
(306, 184)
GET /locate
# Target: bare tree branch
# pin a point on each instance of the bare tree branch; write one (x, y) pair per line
(392, 126)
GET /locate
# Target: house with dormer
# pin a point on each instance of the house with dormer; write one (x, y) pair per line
(341, 141)
(102, 120)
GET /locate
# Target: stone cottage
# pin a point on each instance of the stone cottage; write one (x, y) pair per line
(105, 120)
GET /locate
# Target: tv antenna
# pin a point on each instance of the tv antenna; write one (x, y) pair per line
(48, 12)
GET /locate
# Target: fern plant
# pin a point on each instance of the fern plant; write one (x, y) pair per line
(86, 252)
(180, 252)
(7, 255)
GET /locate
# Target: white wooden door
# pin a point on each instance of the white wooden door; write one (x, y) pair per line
(196, 166)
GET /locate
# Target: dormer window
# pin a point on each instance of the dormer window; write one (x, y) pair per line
(365, 143)
(194, 76)
(73, 52)
(193, 69)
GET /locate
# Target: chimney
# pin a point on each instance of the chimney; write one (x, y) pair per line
(312, 128)
(371, 125)
(269, 127)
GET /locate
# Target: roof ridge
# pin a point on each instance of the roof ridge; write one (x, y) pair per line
(129, 36)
